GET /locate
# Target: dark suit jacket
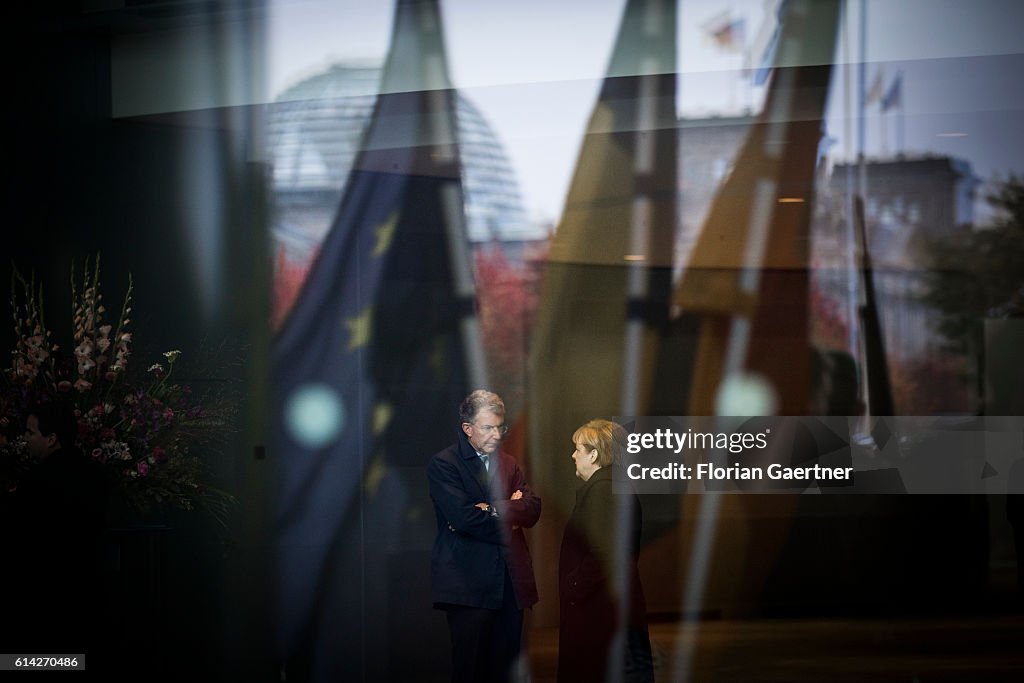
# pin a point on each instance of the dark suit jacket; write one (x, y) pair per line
(473, 549)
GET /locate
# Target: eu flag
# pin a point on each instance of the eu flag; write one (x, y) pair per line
(370, 365)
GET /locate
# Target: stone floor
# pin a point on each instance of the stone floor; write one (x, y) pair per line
(970, 648)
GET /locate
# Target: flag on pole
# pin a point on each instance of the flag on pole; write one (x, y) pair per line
(874, 93)
(607, 282)
(382, 336)
(766, 42)
(731, 36)
(727, 33)
(894, 95)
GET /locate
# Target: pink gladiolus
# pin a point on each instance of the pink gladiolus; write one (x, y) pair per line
(84, 349)
(125, 420)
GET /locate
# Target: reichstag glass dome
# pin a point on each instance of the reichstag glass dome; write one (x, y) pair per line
(313, 133)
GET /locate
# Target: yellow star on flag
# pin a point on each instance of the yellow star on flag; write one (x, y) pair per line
(375, 473)
(381, 417)
(385, 233)
(359, 329)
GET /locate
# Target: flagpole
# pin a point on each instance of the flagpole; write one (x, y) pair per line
(748, 76)
(459, 257)
(885, 134)
(851, 186)
(648, 236)
(861, 93)
(857, 348)
(902, 120)
(855, 217)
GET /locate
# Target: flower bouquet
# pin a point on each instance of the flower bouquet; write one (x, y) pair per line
(142, 427)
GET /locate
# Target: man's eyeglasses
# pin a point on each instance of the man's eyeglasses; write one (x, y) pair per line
(490, 429)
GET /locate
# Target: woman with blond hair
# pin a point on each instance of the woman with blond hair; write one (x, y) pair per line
(592, 638)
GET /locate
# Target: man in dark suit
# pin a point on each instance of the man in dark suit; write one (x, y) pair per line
(481, 568)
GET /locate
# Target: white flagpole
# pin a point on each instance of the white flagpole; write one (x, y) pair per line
(902, 121)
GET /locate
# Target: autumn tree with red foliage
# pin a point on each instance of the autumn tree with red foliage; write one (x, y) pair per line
(829, 327)
(289, 275)
(507, 298)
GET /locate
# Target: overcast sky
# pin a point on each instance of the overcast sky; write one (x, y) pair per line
(533, 68)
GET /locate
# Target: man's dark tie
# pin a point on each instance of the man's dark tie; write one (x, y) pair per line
(484, 459)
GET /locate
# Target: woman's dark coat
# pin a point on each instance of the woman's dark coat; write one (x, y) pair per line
(588, 609)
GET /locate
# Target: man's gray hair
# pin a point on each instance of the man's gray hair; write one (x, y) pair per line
(481, 399)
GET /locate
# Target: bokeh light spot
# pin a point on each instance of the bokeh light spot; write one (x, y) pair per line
(746, 395)
(315, 415)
